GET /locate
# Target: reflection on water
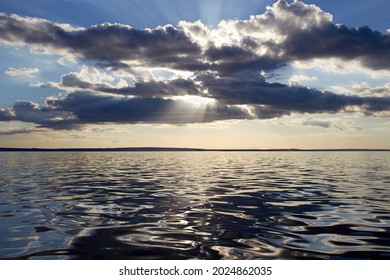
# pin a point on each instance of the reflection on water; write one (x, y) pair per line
(195, 205)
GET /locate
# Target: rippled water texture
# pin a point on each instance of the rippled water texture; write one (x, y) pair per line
(195, 205)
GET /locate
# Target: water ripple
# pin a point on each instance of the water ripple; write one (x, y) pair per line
(195, 205)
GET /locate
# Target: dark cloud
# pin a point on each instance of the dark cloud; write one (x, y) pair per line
(5, 115)
(237, 58)
(81, 108)
(307, 33)
(229, 60)
(299, 32)
(168, 88)
(110, 43)
(264, 101)
(278, 99)
(265, 112)
(30, 112)
(302, 32)
(73, 81)
(370, 47)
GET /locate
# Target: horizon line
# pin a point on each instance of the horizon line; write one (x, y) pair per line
(176, 149)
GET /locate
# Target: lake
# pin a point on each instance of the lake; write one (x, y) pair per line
(195, 205)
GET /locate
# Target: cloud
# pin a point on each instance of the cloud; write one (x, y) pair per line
(89, 107)
(6, 115)
(369, 47)
(77, 109)
(30, 112)
(24, 130)
(259, 101)
(298, 31)
(296, 80)
(108, 43)
(337, 66)
(246, 88)
(278, 98)
(224, 64)
(332, 124)
(324, 124)
(303, 32)
(365, 89)
(22, 72)
(286, 32)
(175, 87)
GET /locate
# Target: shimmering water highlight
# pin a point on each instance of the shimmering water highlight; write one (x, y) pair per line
(195, 205)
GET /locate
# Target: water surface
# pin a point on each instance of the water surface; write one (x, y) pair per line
(195, 205)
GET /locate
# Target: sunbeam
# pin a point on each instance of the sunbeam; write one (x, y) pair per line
(151, 13)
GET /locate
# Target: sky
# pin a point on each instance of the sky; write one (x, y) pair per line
(249, 74)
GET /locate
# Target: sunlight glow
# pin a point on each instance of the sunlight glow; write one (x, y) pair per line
(196, 100)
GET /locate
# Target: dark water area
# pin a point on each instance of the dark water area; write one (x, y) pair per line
(195, 205)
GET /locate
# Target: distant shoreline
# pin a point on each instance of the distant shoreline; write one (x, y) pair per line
(159, 149)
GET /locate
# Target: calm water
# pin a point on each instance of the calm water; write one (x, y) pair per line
(195, 205)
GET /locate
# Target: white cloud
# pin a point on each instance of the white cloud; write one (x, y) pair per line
(280, 20)
(339, 66)
(87, 76)
(197, 31)
(38, 85)
(22, 72)
(299, 79)
(93, 75)
(363, 89)
(67, 60)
